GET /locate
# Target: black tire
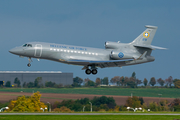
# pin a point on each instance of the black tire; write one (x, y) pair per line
(88, 71)
(94, 71)
(28, 64)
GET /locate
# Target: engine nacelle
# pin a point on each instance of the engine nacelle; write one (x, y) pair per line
(113, 45)
(117, 55)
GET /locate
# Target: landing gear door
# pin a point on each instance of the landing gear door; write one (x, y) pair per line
(38, 50)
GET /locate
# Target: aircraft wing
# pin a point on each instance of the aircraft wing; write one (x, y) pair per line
(102, 64)
(89, 61)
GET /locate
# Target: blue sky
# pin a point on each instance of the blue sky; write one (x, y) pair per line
(90, 23)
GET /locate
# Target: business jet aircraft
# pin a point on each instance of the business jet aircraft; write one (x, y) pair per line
(115, 54)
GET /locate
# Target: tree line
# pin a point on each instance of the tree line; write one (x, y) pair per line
(162, 105)
(33, 104)
(131, 82)
(102, 103)
(119, 81)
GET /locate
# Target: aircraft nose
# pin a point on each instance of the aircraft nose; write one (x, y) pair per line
(11, 50)
(16, 51)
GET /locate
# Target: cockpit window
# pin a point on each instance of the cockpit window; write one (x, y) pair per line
(27, 45)
(24, 45)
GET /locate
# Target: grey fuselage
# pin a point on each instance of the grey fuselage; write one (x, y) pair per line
(65, 53)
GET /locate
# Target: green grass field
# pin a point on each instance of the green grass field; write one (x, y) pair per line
(88, 117)
(144, 92)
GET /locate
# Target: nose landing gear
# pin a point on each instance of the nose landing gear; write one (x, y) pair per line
(28, 64)
(30, 60)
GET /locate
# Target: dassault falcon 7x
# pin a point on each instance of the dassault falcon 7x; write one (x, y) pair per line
(115, 54)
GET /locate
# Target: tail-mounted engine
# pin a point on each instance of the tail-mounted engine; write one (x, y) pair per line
(114, 45)
(117, 55)
(111, 45)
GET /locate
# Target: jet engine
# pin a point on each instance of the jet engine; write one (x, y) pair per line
(113, 45)
(117, 55)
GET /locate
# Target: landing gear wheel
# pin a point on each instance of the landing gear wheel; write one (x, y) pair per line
(94, 71)
(28, 64)
(88, 71)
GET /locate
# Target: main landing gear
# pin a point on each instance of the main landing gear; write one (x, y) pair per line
(88, 71)
(93, 70)
(29, 64)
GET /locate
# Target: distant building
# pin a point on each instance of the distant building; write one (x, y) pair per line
(29, 76)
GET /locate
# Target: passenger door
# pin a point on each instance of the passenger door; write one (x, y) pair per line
(38, 50)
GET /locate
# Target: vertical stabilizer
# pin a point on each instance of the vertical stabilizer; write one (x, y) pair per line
(146, 37)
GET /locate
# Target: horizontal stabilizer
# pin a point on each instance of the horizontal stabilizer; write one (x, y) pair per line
(108, 61)
(156, 47)
(150, 47)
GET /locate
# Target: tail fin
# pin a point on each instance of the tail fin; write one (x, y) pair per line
(146, 37)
